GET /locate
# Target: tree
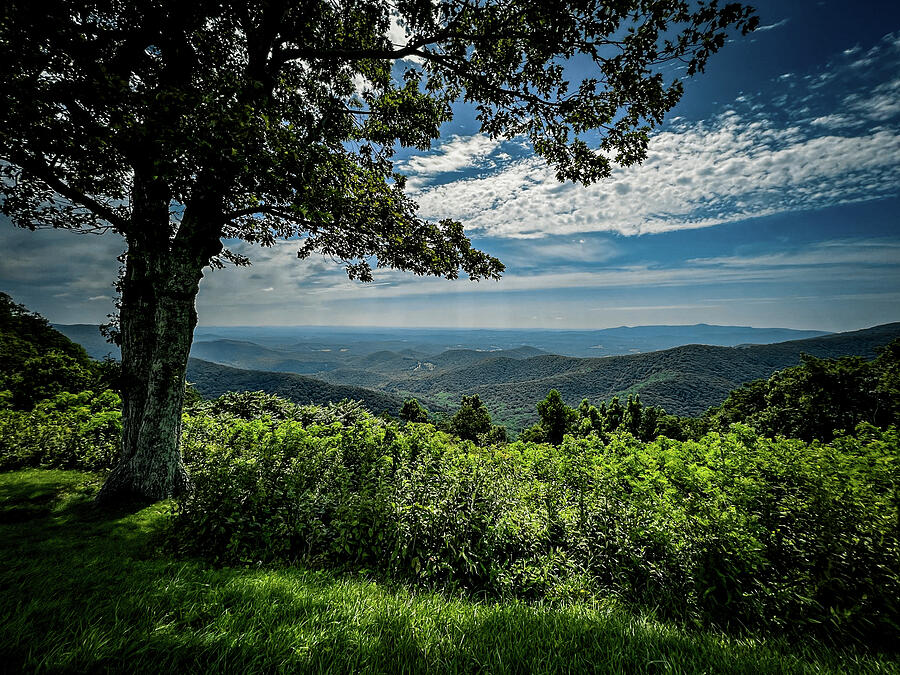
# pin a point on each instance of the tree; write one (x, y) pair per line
(631, 419)
(182, 124)
(412, 411)
(471, 420)
(817, 398)
(614, 415)
(557, 418)
(496, 435)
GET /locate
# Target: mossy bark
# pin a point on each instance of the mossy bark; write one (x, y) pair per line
(157, 320)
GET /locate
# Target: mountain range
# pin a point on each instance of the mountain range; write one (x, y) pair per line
(311, 349)
(319, 366)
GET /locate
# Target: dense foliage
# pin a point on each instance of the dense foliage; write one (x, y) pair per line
(413, 411)
(212, 380)
(70, 430)
(818, 397)
(643, 422)
(708, 520)
(731, 528)
(256, 405)
(38, 362)
(472, 422)
(81, 594)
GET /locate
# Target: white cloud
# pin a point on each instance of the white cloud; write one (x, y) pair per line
(800, 150)
(398, 36)
(772, 26)
(859, 260)
(836, 121)
(881, 104)
(700, 176)
(866, 252)
(648, 308)
(455, 154)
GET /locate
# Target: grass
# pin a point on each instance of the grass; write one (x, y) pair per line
(85, 590)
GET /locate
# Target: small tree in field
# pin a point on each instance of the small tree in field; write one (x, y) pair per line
(182, 124)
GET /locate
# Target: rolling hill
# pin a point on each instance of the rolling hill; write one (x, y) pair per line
(213, 379)
(685, 380)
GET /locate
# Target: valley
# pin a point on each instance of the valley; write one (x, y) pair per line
(386, 366)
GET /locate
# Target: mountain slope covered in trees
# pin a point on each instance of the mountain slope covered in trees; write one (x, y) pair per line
(685, 380)
(212, 380)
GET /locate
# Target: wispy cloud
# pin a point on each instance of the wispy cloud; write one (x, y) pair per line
(650, 308)
(795, 150)
(859, 260)
(772, 26)
(868, 252)
(453, 155)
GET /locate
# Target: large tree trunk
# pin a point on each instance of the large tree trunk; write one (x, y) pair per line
(157, 319)
(157, 323)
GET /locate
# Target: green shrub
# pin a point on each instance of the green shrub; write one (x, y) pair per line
(71, 431)
(251, 405)
(820, 398)
(730, 528)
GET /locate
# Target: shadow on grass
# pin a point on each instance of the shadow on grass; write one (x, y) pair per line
(85, 590)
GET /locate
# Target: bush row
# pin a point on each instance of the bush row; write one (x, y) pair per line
(67, 431)
(730, 528)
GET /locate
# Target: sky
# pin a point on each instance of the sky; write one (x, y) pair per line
(770, 197)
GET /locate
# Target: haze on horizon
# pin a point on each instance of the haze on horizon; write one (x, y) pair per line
(770, 198)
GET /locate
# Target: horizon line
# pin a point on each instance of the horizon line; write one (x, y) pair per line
(503, 329)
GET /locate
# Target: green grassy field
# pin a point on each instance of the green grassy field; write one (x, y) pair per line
(90, 591)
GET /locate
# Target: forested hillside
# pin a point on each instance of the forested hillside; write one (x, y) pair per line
(212, 380)
(685, 380)
(38, 362)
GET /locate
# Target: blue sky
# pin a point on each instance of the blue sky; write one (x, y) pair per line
(770, 197)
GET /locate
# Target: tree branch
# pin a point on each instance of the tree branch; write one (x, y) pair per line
(42, 171)
(263, 209)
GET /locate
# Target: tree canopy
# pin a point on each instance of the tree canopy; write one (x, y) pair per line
(819, 397)
(413, 411)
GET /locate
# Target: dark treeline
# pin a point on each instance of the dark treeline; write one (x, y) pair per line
(38, 362)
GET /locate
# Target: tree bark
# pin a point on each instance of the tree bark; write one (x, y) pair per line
(157, 319)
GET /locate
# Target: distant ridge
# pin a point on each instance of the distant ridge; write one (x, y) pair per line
(213, 380)
(684, 380)
(280, 348)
